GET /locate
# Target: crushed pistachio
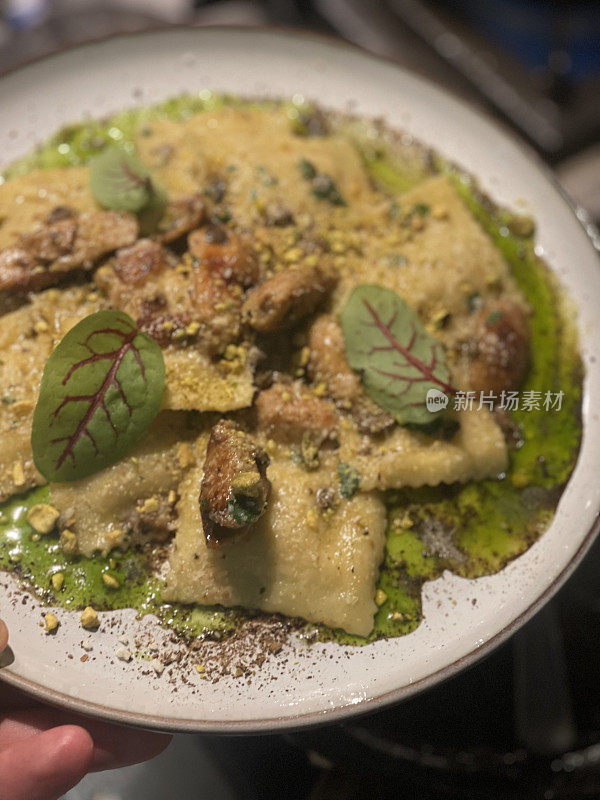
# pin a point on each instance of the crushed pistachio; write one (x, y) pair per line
(403, 521)
(246, 483)
(311, 518)
(42, 517)
(68, 542)
(18, 474)
(440, 318)
(110, 581)
(51, 621)
(192, 329)
(115, 537)
(293, 256)
(149, 505)
(89, 618)
(380, 597)
(57, 581)
(520, 480)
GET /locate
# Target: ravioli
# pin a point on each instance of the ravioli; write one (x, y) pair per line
(27, 337)
(408, 458)
(297, 560)
(99, 509)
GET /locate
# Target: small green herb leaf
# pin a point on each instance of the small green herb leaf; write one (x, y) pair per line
(322, 186)
(307, 169)
(349, 479)
(400, 363)
(244, 510)
(101, 388)
(119, 181)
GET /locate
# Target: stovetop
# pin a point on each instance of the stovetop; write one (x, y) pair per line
(523, 723)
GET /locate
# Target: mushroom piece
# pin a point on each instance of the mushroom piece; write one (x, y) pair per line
(235, 488)
(287, 297)
(225, 266)
(134, 264)
(43, 258)
(501, 355)
(328, 364)
(181, 216)
(289, 412)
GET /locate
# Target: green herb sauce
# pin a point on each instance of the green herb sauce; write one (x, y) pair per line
(473, 529)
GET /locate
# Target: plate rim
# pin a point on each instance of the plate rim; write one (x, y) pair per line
(306, 720)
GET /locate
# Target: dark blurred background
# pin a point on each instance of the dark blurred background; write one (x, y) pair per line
(533, 63)
(525, 723)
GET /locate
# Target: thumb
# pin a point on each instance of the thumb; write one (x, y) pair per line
(45, 766)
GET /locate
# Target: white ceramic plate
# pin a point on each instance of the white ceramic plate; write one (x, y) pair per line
(302, 686)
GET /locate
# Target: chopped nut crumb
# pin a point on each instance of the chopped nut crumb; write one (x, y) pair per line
(18, 474)
(110, 581)
(89, 618)
(87, 645)
(380, 597)
(68, 542)
(42, 517)
(149, 505)
(52, 622)
(57, 581)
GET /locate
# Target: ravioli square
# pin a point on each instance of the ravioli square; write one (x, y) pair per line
(298, 559)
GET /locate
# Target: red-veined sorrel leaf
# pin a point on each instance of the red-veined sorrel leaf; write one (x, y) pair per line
(101, 388)
(398, 360)
(120, 181)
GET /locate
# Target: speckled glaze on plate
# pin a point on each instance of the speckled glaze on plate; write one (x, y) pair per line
(463, 619)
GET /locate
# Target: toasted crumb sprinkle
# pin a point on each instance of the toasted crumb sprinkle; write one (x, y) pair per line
(57, 581)
(87, 645)
(42, 517)
(89, 618)
(51, 621)
(110, 581)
